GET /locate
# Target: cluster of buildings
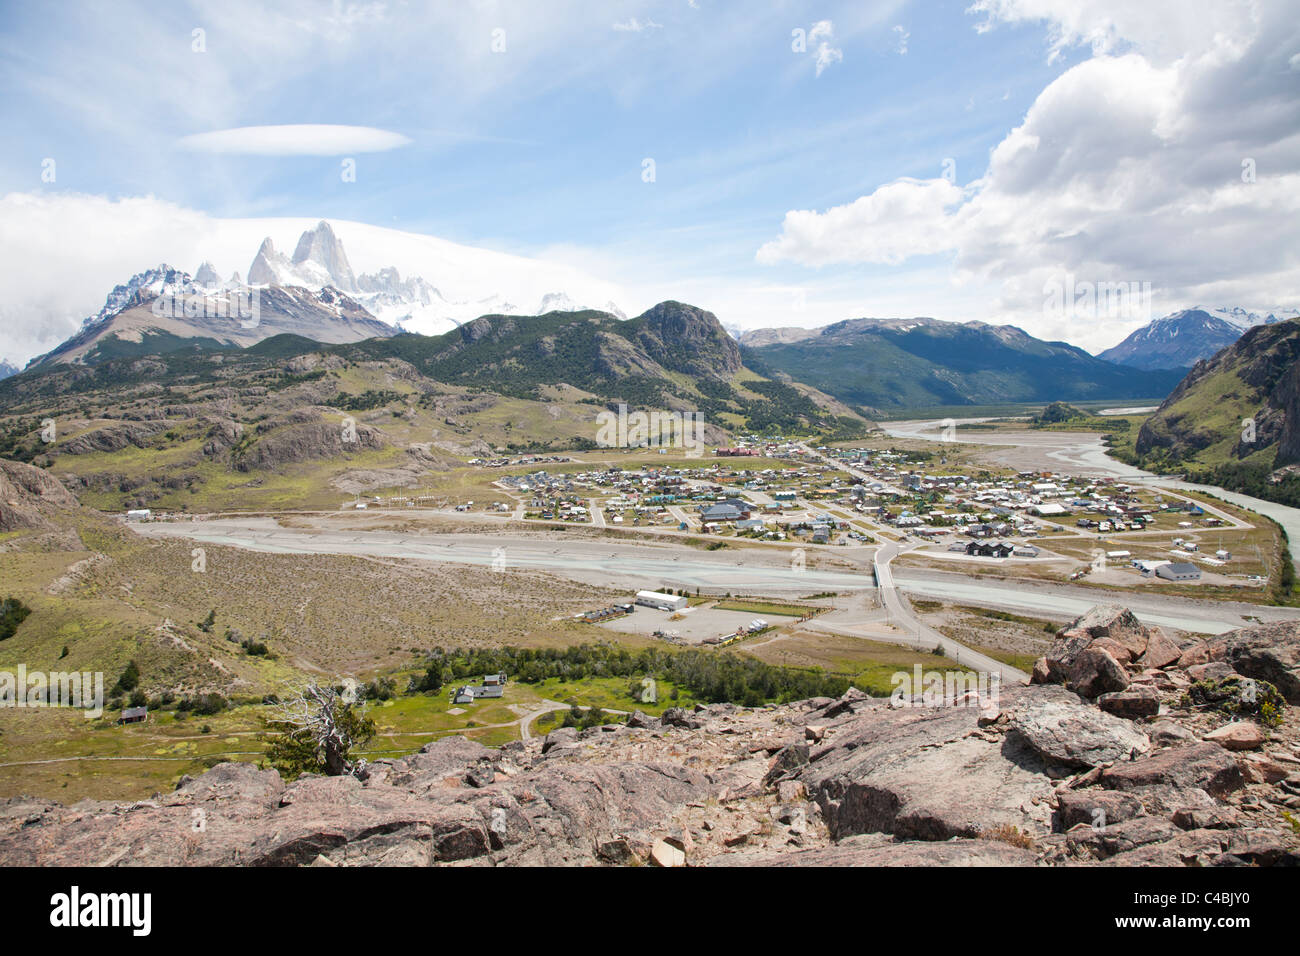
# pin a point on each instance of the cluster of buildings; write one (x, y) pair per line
(522, 460)
(606, 613)
(494, 685)
(994, 549)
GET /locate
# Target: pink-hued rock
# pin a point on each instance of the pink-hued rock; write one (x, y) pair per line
(1239, 735)
(1202, 653)
(1161, 650)
(1134, 703)
(1095, 672)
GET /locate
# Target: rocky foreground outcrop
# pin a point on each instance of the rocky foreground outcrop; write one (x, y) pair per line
(1037, 775)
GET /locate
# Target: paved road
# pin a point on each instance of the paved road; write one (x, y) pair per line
(636, 564)
(1064, 602)
(633, 564)
(901, 615)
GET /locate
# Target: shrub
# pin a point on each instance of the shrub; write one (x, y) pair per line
(128, 681)
(12, 613)
(1238, 697)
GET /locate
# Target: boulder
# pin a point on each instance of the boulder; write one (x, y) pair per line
(1113, 622)
(931, 773)
(1114, 648)
(1238, 735)
(665, 854)
(1204, 765)
(1201, 653)
(641, 721)
(1263, 848)
(1167, 733)
(1075, 735)
(851, 702)
(1094, 672)
(1043, 672)
(787, 761)
(560, 737)
(1204, 818)
(1269, 652)
(880, 850)
(679, 717)
(1113, 838)
(1161, 650)
(1211, 670)
(1134, 703)
(1095, 808)
(1193, 848)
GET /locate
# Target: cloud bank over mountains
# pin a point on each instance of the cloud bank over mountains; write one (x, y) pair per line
(1171, 155)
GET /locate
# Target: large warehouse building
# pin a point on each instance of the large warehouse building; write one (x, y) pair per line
(664, 602)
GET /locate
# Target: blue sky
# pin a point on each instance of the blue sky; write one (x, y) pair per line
(537, 148)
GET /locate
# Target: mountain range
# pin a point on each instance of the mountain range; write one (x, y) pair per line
(163, 310)
(413, 303)
(259, 425)
(887, 364)
(870, 364)
(314, 293)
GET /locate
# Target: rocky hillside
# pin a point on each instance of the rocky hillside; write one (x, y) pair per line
(1150, 754)
(922, 362)
(1199, 427)
(30, 497)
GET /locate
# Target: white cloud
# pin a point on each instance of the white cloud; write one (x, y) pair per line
(307, 139)
(823, 34)
(1165, 30)
(903, 37)
(1127, 168)
(893, 223)
(636, 26)
(59, 265)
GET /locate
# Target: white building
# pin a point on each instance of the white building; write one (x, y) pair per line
(662, 602)
(1179, 571)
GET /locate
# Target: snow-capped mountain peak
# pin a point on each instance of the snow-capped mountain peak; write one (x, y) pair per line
(206, 276)
(1244, 319)
(270, 267)
(1181, 339)
(413, 304)
(320, 256)
(157, 281)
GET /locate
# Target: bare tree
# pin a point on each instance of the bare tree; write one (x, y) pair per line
(315, 731)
